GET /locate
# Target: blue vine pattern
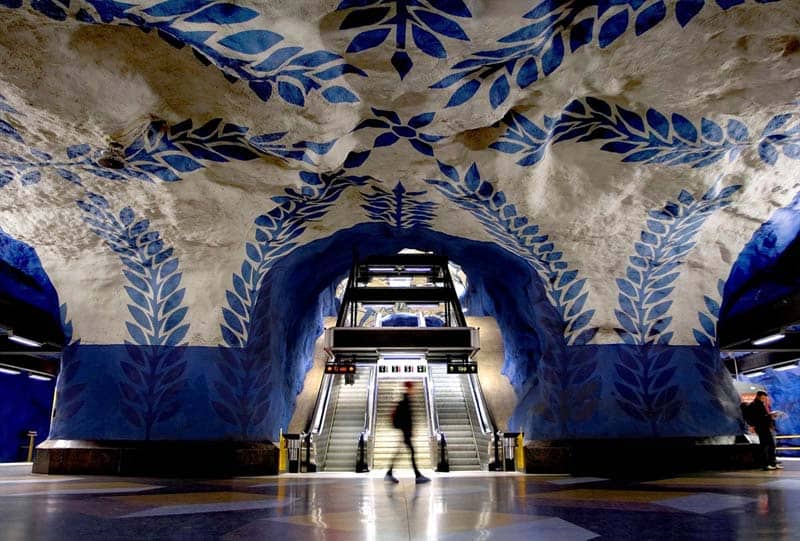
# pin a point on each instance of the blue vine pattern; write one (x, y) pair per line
(399, 208)
(538, 48)
(154, 369)
(393, 130)
(225, 35)
(426, 19)
(652, 138)
(70, 392)
(706, 335)
(646, 287)
(500, 220)
(243, 389)
(166, 151)
(162, 153)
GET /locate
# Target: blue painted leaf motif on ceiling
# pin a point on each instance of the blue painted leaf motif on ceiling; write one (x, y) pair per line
(514, 232)
(223, 34)
(243, 381)
(428, 21)
(706, 335)
(399, 208)
(663, 247)
(167, 151)
(393, 130)
(652, 138)
(153, 371)
(550, 30)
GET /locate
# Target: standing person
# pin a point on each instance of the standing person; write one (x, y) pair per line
(402, 419)
(764, 423)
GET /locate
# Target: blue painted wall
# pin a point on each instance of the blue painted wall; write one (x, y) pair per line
(25, 404)
(248, 393)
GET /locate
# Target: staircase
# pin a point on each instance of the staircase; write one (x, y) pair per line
(348, 405)
(456, 410)
(388, 440)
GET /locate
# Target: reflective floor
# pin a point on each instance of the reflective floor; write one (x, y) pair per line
(723, 505)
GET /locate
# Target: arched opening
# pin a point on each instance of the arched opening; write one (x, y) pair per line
(294, 298)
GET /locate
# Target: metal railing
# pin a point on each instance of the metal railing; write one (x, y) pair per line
(316, 422)
(487, 424)
(788, 437)
(437, 439)
(365, 439)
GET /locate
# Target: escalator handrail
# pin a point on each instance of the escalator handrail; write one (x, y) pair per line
(316, 420)
(485, 417)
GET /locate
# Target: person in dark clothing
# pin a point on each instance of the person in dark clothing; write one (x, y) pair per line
(402, 419)
(764, 423)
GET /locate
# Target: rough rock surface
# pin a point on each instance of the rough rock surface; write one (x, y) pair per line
(597, 168)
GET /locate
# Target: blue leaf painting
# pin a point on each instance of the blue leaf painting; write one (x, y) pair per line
(665, 244)
(515, 233)
(652, 138)
(427, 22)
(276, 235)
(538, 44)
(399, 208)
(154, 367)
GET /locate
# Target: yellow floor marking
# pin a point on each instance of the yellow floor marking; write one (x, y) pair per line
(449, 521)
(192, 498)
(638, 496)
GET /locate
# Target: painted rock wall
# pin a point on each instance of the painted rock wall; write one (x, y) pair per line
(595, 167)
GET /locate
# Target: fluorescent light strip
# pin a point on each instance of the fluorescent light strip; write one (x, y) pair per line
(25, 341)
(10, 371)
(40, 378)
(769, 339)
(786, 367)
(754, 374)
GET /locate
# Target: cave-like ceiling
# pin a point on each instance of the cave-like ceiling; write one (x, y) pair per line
(161, 156)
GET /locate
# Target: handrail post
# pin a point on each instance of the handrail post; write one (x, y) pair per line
(361, 462)
(444, 459)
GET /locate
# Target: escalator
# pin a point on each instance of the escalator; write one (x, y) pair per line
(400, 320)
(389, 440)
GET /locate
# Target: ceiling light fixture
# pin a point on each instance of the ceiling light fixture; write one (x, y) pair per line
(769, 339)
(10, 371)
(25, 341)
(40, 378)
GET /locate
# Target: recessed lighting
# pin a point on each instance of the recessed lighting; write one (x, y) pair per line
(10, 371)
(769, 339)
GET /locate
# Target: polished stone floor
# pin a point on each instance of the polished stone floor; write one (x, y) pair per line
(712, 506)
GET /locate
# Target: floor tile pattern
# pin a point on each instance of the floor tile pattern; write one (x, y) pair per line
(453, 507)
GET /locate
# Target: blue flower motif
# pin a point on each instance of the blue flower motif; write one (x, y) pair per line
(500, 220)
(399, 208)
(653, 138)
(392, 131)
(152, 374)
(663, 248)
(425, 19)
(552, 28)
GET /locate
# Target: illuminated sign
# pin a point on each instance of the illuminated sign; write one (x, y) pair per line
(462, 368)
(340, 369)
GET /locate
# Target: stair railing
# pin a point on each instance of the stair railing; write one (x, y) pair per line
(364, 458)
(487, 423)
(316, 422)
(437, 437)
